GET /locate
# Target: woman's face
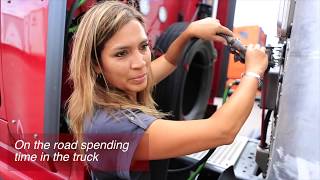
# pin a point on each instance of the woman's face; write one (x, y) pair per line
(126, 59)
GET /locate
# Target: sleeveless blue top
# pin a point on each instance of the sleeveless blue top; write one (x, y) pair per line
(116, 135)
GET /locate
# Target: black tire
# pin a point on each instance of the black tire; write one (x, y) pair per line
(185, 92)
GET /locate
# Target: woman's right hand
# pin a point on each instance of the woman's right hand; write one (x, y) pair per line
(256, 59)
(207, 29)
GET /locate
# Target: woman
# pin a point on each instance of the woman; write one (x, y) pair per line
(113, 76)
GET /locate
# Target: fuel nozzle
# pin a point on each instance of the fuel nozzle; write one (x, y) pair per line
(239, 50)
(235, 47)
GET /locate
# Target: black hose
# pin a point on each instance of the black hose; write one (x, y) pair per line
(264, 128)
(70, 15)
(193, 166)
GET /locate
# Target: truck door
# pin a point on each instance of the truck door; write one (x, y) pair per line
(23, 46)
(2, 107)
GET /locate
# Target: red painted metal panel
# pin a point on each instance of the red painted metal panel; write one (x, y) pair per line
(222, 15)
(174, 9)
(2, 100)
(23, 46)
(2, 104)
(189, 9)
(23, 43)
(19, 170)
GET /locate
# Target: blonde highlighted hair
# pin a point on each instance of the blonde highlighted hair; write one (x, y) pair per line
(97, 26)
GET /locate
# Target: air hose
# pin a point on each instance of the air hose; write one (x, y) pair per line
(193, 166)
(226, 93)
(75, 5)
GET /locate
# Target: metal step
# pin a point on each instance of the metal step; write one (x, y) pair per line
(224, 156)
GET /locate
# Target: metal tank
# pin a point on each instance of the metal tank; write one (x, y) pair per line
(295, 150)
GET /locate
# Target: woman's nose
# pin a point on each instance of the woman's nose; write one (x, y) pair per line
(138, 60)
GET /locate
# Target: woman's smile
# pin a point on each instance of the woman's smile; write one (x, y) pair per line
(139, 79)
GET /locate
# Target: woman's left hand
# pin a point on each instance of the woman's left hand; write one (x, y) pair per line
(207, 29)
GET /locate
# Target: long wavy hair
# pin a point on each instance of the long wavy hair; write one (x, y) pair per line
(97, 26)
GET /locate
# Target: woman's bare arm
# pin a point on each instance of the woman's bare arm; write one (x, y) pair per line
(167, 63)
(166, 139)
(204, 29)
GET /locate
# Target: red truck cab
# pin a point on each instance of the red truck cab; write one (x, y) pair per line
(33, 71)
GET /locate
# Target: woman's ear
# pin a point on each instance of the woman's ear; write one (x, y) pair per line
(97, 69)
(97, 66)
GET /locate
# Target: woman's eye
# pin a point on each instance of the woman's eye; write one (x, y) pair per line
(145, 46)
(121, 54)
